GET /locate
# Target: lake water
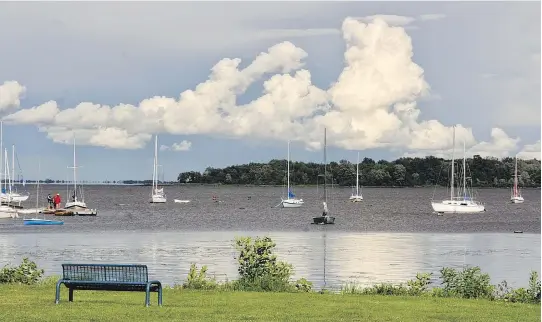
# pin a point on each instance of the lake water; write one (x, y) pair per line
(389, 237)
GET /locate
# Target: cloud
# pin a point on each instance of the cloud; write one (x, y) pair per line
(10, 94)
(431, 16)
(392, 20)
(500, 145)
(530, 151)
(182, 146)
(372, 104)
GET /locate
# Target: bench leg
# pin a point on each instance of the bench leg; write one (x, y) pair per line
(148, 295)
(160, 296)
(71, 294)
(57, 294)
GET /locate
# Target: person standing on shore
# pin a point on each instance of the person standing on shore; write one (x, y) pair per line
(50, 201)
(57, 200)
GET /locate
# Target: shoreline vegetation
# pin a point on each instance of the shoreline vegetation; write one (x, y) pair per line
(265, 291)
(430, 171)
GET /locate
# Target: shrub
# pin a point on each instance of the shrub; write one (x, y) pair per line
(26, 273)
(521, 295)
(468, 283)
(198, 279)
(419, 285)
(259, 268)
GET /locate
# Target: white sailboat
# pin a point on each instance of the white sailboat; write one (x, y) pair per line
(77, 203)
(157, 194)
(6, 211)
(357, 197)
(13, 196)
(516, 193)
(462, 202)
(325, 218)
(291, 201)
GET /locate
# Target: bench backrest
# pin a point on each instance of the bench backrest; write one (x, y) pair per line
(106, 272)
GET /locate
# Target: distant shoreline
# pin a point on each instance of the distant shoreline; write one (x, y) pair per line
(247, 185)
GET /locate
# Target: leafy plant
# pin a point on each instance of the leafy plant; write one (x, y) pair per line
(26, 273)
(468, 283)
(420, 284)
(259, 268)
(198, 279)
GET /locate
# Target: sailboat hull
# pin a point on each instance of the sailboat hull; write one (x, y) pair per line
(292, 203)
(323, 220)
(356, 198)
(42, 222)
(457, 207)
(14, 197)
(518, 199)
(158, 199)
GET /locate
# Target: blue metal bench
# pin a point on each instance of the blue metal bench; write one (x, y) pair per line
(108, 277)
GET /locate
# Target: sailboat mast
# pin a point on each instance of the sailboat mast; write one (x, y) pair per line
(74, 170)
(325, 165)
(464, 172)
(288, 167)
(516, 178)
(357, 177)
(1, 153)
(453, 169)
(38, 189)
(154, 175)
(12, 177)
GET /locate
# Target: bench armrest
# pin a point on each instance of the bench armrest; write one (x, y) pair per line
(154, 282)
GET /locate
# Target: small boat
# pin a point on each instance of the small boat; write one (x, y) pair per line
(325, 218)
(181, 201)
(516, 193)
(77, 206)
(42, 222)
(291, 201)
(358, 196)
(157, 194)
(461, 203)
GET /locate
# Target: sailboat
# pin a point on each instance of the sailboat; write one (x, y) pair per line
(516, 193)
(40, 221)
(357, 197)
(460, 203)
(157, 194)
(291, 201)
(6, 211)
(76, 205)
(325, 218)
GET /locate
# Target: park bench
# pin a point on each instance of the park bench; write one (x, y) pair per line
(108, 277)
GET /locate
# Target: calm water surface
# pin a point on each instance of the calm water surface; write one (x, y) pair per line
(389, 237)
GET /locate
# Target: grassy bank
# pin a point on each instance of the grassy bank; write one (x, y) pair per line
(36, 303)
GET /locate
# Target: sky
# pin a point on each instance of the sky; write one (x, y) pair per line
(225, 83)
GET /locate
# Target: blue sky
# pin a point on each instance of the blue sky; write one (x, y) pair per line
(475, 65)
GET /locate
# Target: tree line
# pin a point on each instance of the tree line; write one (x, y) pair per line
(403, 172)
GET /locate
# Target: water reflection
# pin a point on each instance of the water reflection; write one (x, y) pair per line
(364, 258)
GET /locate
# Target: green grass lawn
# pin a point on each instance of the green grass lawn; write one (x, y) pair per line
(36, 303)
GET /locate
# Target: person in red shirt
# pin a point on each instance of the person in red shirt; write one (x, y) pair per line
(56, 201)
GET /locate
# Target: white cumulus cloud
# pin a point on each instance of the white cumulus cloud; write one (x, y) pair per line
(10, 94)
(372, 104)
(530, 151)
(184, 145)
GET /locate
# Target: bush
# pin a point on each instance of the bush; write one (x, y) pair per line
(198, 279)
(259, 268)
(469, 283)
(521, 295)
(26, 273)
